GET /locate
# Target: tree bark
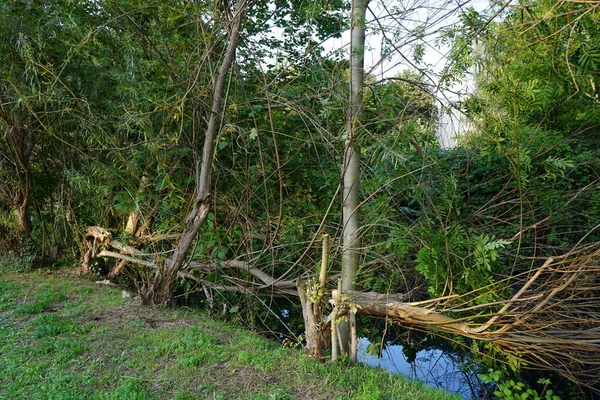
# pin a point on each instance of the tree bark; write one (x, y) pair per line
(351, 167)
(312, 321)
(159, 291)
(310, 294)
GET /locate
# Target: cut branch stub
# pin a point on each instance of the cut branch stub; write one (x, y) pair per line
(311, 294)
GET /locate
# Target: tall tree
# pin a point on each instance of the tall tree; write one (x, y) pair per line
(19, 142)
(351, 163)
(35, 98)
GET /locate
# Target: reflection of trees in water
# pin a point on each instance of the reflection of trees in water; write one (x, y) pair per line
(431, 360)
(446, 370)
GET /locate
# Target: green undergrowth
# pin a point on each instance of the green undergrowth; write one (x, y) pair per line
(65, 337)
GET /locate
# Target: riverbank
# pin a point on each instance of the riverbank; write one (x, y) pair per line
(66, 337)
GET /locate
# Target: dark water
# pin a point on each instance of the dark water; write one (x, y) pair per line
(435, 367)
(432, 361)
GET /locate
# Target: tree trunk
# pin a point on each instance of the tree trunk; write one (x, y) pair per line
(159, 291)
(20, 144)
(351, 167)
(312, 320)
(21, 209)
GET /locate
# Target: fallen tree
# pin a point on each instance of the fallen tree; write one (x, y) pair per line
(98, 243)
(551, 323)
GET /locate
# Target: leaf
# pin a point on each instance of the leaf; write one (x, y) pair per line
(253, 134)
(163, 183)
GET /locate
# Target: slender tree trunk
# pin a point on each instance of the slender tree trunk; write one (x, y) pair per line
(159, 291)
(351, 167)
(19, 140)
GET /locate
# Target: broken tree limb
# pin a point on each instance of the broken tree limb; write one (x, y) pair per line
(147, 239)
(97, 235)
(246, 290)
(96, 238)
(126, 249)
(551, 323)
(267, 279)
(99, 244)
(384, 305)
(117, 268)
(279, 290)
(134, 260)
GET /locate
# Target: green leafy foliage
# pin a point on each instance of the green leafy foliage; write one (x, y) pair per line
(456, 262)
(509, 389)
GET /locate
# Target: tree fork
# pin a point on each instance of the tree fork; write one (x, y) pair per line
(159, 291)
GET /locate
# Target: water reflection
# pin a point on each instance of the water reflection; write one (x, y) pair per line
(434, 367)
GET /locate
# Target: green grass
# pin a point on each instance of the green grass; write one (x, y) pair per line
(64, 337)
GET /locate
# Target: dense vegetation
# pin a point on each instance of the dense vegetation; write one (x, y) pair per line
(106, 109)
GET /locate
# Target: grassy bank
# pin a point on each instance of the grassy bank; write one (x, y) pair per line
(64, 337)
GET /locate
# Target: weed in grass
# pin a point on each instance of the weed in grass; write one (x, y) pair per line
(7, 295)
(84, 328)
(192, 361)
(42, 302)
(276, 395)
(205, 390)
(195, 338)
(131, 389)
(76, 310)
(66, 349)
(118, 360)
(102, 330)
(185, 396)
(50, 325)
